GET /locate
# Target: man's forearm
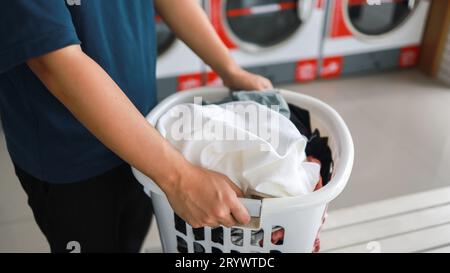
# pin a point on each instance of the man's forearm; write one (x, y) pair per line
(100, 105)
(187, 19)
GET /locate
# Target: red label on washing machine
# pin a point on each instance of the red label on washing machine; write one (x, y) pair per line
(365, 2)
(320, 4)
(331, 67)
(409, 56)
(212, 79)
(338, 25)
(306, 70)
(217, 21)
(262, 9)
(189, 81)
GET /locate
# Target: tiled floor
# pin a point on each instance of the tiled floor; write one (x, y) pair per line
(418, 222)
(399, 123)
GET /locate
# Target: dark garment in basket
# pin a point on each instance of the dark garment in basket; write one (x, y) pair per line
(317, 146)
(268, 98)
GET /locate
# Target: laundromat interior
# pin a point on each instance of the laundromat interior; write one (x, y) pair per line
(384, 66)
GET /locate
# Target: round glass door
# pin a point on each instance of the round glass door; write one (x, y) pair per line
(164, 36)
(265, 23)
(374, 17)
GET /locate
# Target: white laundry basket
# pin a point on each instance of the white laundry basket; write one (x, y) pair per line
(301, 217)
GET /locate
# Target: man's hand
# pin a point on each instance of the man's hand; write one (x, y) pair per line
(206, 198)
(239, 79)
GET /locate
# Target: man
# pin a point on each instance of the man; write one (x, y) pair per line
(76, 80)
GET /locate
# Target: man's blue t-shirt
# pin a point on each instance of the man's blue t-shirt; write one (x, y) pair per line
(43, 137)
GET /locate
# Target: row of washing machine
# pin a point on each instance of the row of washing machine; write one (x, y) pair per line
(299, 40)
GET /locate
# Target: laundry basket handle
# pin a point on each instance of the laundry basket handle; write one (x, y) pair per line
(253, 206)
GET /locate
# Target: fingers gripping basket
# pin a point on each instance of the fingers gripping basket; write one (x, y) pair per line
(299, 217)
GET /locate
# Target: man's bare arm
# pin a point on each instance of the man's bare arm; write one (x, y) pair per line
(190, 23)
(101, 106)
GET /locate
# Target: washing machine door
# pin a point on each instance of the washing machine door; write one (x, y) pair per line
(259, 24)
(377, 17)
(164, 36)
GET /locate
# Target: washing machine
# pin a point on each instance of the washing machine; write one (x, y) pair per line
(372, 35)
(279, 39)
(178, 68)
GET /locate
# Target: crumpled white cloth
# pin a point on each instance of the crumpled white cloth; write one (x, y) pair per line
(269, 159)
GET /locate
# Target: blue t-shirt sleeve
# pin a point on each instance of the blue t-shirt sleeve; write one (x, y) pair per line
(33, 28)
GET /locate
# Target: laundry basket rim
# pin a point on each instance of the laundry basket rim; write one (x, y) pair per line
(273, 205)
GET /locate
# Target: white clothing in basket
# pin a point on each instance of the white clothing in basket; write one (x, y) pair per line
(255, 146)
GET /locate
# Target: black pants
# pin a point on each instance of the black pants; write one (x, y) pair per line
(107, 213)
